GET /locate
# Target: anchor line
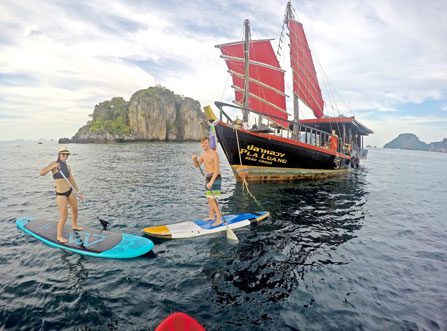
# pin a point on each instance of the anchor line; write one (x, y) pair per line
(244, 181)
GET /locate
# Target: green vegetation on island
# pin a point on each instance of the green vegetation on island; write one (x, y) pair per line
(111, 116)
(154, 114)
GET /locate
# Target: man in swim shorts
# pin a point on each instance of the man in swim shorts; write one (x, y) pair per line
(210, 159)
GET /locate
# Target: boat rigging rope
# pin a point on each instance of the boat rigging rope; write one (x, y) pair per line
(244, 181)
(238, 147)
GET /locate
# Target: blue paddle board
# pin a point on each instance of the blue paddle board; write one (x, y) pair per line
(90, 242)
(200, 227)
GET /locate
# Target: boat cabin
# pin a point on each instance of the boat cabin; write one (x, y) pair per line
(348, 130)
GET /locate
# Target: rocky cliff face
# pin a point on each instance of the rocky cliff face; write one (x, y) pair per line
(407, 141)
(85, 136)
(154, 114)
(411, 141)
(440, 146)
(158, 114)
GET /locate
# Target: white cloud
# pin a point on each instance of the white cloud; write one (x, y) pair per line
(392, 52)
(378, 55)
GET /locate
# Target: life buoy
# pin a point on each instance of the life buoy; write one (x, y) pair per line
(336, 162)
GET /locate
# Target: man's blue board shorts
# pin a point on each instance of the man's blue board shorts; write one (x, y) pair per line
(215, 188)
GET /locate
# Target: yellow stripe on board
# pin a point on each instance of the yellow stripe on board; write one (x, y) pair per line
(161, 230)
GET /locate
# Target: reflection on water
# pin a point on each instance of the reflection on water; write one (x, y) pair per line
(309, 219)
(76, 270)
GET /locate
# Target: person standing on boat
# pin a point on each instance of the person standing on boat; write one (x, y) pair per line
(333, 142)
(210, 159)
(64, 193)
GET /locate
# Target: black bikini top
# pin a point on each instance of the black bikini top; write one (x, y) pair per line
(62, 168)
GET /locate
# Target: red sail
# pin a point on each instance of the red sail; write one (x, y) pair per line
(266, 83)
(305, 82)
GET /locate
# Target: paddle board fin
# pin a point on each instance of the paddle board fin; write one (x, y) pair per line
(231, 235)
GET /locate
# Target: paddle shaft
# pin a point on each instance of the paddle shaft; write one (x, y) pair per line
(104, 224)
(72, 187)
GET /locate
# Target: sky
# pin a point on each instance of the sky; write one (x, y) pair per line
(386, 59)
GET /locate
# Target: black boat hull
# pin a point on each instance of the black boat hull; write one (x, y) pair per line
(260, 156)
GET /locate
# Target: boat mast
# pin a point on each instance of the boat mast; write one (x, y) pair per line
(246, 71)
(296, 114)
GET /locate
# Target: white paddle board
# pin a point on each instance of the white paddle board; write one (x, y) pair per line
(200, 227)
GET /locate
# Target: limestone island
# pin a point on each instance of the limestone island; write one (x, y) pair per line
(153, 114)
(411, 141)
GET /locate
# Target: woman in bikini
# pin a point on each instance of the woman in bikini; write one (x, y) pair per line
(64, 193)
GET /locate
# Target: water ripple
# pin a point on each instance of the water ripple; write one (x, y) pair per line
(365, 251)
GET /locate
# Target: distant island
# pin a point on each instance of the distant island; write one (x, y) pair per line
(153, 114)
(412, 142)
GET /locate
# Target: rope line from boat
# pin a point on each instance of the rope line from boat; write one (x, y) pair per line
(244, 181)
(238, 147)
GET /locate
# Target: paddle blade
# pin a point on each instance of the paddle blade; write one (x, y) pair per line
(231, 235)
(104, 224)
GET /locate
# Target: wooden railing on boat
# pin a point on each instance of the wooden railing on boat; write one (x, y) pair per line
(295, 131)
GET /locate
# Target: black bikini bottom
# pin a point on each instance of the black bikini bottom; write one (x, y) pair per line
(66, 194)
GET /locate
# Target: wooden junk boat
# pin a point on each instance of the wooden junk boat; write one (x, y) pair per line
(265, 144)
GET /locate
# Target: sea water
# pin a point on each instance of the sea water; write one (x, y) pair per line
(367, 250)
